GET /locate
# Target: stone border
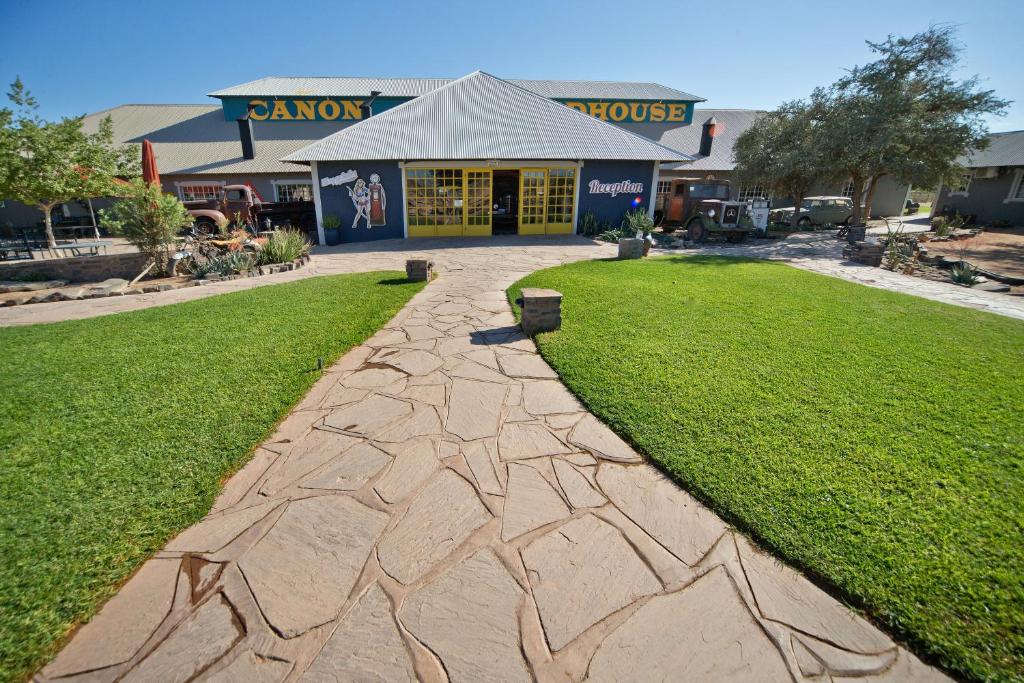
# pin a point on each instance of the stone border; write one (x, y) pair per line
(162, 287)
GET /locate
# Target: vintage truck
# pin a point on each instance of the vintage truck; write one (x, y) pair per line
(702, 208)
(239, 204)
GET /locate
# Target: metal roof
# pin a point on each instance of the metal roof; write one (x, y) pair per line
(482, 117)
(686, 139)
(1005, 149)
(329, 86)
(195, 138)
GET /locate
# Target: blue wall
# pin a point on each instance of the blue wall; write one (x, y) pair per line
(609, 208)
(335, 199)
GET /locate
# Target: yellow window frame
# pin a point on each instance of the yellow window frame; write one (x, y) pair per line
(533, 205)
(472, 201)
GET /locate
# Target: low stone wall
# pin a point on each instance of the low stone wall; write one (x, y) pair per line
(79, 268)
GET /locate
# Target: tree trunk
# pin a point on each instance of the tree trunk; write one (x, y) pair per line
(858, 190)
(48, 222)
(871, 195)
(798, 200)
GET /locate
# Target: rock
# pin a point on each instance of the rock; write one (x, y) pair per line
(134, 613)
(701, 633)
(438, 520)
(195, 644)
(415, 362)
(350, 471)
(469, 618)
(666, 512)
(8, 286)
(202, 576)
(250, 667)
(528, 365)
(474, 409)
(530, 503)
(216, 531)
(547, 397)
(580, 573)
(992, 287)
(369, 415)
(372, 378)
(431, 394)
(576, 486)
(593, 436)
(365, 647)
(414, 463)
(303, 569)
(906, 669)
(467, 369)
(785, 596)
(311, 451)
(424, 422)
(482, 459)
(340, 395)
(105, 288)
(520, 441)
(842, 662)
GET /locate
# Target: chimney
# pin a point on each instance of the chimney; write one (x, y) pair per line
(707, 136)
(366, 108)
(245, 134)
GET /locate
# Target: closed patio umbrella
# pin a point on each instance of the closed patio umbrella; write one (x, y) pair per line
(149, 172)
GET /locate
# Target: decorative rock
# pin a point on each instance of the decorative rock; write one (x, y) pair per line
(419, 270)
(530, 503)
(213, 533)
(528, 365)
(413, 465)
(666, 512)
(469, 618)
(519, 441)
(134, 613)
(474, 409)
(366, 646)
(351, 470)
(251, 668)
(198, 642)
(541, 310)
(438, 520)
(631, 248)
(303, 569)
(369, 415)
(702, 633)
(548, 397)
(593, 436)
(581, 572)
(576, 487)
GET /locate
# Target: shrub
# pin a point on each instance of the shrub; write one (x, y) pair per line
(637, 220)
(963, 274)
(589, 225)
(331, 222)
(283, 246)
(149, 219)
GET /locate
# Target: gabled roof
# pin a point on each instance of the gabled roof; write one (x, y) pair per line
(686, 139)
(482, 117)
(329, 86)
(1005, 149)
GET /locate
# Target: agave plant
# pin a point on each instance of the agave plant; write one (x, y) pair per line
(964, 274)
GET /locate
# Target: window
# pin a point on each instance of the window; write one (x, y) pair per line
(664, 187)
(748, 192)
(561, 187)
(848, 190)
(293, 192)
(434, 196)
(191, 192)
(1017, 187)
(962, 186)
(709, 191)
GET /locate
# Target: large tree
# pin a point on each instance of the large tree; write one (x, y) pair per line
(780, 152)
(45, 163)
(903, 115)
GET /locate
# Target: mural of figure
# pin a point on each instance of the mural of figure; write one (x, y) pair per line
(361, 199)
(378, 201)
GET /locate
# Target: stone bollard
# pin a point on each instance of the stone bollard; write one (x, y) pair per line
(542, 310)
(419, 270)
(630, 247)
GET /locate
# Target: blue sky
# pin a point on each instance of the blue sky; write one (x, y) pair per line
(80, 57)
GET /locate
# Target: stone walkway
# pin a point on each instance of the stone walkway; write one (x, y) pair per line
(439, 507)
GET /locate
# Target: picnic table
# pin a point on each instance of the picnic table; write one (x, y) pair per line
(76, 248)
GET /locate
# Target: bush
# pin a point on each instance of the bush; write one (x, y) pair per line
(589, 225)
(283, 246)
(637, 220)
(963, 274)
(149, 219)
(229, 263)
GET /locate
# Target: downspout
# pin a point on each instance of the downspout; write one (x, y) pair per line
(318, 204)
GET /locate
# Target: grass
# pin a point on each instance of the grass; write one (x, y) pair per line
(116, 432)
(874, 439)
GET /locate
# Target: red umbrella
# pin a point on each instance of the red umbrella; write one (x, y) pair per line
(149, 172)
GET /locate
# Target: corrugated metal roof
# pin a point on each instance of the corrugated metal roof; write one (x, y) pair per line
(195, 138)
(483, 117)
(1005, 149)
(328, 86)
(686, 139)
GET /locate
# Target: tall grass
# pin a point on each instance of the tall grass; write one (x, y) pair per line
(283, 246)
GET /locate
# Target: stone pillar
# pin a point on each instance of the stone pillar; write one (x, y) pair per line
(542, 310)
(630, 247)
(419, 270)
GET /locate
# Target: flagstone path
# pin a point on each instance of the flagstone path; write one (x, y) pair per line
(439, 507)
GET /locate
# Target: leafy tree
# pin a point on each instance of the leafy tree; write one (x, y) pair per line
(45, 163)
(903, 114)
(149, 218)
(780, 152)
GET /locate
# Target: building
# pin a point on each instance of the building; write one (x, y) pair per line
(992, 186)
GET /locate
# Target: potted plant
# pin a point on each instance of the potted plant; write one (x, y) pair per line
(332, 229)
(637, 221)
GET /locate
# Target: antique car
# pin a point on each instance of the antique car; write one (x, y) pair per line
(816, 211)
(702, 208)
(239, 204)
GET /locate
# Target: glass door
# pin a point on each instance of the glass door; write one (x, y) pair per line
(561, 193)
(450, 202)
(532, 204)
(478, 202)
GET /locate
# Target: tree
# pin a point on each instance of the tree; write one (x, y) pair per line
(780, 152)
(149, 219)
(45, 163)
(903, 115)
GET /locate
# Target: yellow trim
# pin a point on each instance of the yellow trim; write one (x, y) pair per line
(532, 200)
(561, 193)
(479, 202)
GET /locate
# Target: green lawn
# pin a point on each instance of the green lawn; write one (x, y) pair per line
(115, 432)
(874, 439)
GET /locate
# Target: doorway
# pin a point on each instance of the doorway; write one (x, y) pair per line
(506, 202)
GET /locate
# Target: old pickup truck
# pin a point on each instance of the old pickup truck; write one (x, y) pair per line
(239, 204)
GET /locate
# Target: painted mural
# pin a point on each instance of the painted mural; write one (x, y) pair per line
(370, 201)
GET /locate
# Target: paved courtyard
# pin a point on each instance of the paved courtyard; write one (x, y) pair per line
(439, 507)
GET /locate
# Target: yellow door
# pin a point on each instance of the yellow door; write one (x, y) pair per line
(451, 202)
(561, 193)
(532, 205)
(478, 202)
(419, 190)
